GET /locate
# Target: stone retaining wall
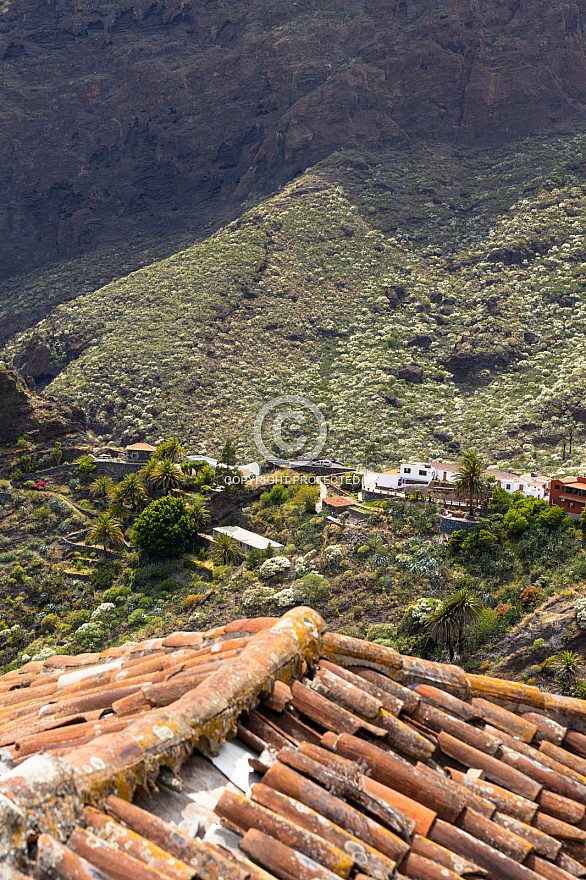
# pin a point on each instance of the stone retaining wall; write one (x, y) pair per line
(449, 525)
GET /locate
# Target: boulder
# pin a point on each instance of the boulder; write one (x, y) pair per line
(411, 373)
(393, 400)
(420, 340)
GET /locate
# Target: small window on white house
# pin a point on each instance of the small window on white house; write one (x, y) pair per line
(508, 486)
(422, 473)
(407, 470)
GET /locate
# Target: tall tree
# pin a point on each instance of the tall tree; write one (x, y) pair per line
(101, 488)
(466, 607)
(470, 480)
(171, 449)
(166, 475)
(442, 625)
(228, 455)
(108, 532)
(200, 514)
(131, 491)
(226, 550)
(146, 474)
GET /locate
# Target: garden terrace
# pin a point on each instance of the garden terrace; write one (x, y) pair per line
(362, 763)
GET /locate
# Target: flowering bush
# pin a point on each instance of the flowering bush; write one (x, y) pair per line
(88, 636)
(274, 567)
(334, 554)
(104, 612)
(580, 612)
(257, 595)
(418, 612)
(289, 596)
(304, 564)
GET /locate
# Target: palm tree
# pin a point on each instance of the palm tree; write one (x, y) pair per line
(466, 607)
(107, 532)
(469, 479)
(132, 491)
(200, 514)
(101, 488)
(171, 449)
(226, 550)
(166, 475)
(146, 473)
(442, 625)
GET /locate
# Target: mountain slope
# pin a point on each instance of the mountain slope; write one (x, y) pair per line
(303, 295)
(143, 115)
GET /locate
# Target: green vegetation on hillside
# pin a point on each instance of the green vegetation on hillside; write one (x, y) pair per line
(389, 579)
(306, 294)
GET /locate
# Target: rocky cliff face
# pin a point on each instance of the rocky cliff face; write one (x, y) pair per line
(22, 411)
(146, 115)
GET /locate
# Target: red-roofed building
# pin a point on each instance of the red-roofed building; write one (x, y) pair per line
(338, 502)
(569, 493)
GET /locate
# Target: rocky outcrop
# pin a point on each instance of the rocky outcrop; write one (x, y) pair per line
(150, 114)
(34, 358)
(23, 412)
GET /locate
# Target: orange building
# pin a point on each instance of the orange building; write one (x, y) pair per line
(569, 493)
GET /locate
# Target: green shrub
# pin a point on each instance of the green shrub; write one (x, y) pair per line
(76, 618)
(104, 576)
(116, 594)
(164, 528)
(86, 464)
(357, 612)
(312, 588)
(49, 623)
(136, 618)
(382, 634)
(18, 573)
(89, 636)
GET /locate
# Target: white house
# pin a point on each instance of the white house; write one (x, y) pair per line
(247, 540)
(417, 473)
(535, 485)
(506, 480)
(440, 474)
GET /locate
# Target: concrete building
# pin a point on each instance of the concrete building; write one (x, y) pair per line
(247, 540)
(569, 493)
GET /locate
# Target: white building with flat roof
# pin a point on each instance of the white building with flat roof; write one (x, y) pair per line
(247, 540)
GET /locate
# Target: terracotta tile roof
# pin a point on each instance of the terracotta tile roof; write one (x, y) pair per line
(141, 447)
(339, 501)
(367, 763)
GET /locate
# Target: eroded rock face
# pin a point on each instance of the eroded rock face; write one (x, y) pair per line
(23, 412)
(35, 357)
(143, 115)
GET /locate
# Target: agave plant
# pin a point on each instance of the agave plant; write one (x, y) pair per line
(567, 665)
